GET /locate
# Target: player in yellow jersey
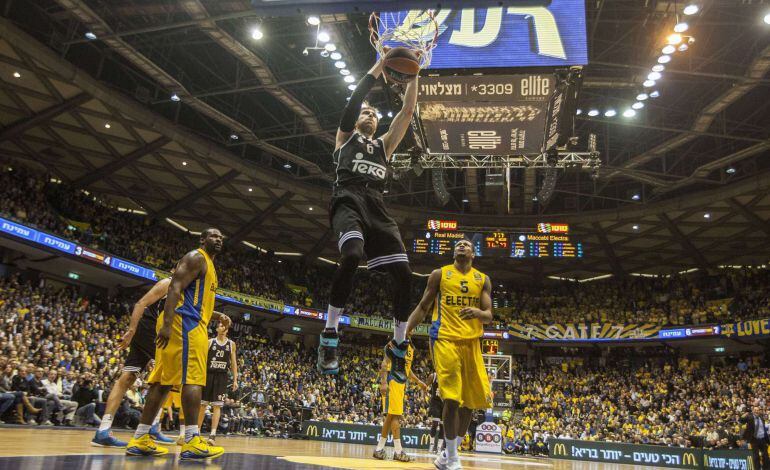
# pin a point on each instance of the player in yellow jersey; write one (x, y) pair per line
(460, 298)
(393, 394)
(182, 347)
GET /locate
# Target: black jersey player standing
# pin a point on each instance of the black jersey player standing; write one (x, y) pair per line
(140, 339)
(221, 360)
(360, 219)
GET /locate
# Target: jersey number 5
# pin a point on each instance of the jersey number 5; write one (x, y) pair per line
(464, 287)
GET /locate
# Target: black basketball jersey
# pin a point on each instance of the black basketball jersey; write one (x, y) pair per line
(151, 313)
(219, 356)
(360, 160)
(434, 390)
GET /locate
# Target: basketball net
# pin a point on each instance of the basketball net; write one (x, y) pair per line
(414, 29)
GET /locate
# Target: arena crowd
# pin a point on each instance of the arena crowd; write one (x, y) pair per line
(699, 298)
(59, 354)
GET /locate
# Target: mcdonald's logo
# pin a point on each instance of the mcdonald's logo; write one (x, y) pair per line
(312, 430)
(559, 449)
(424, 439)
(689, 459)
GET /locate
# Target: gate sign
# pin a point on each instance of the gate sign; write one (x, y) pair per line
(539, 33)
(489, 438)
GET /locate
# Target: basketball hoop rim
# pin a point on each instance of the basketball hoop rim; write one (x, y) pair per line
(422, 47)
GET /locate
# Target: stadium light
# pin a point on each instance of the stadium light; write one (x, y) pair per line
(331, 47)
(658, 68)
(691, 9)
(629, 113)
(637, 105)
(682, 47)
(610, 113)
(669, 49)
(107, 125)
(390, 114)
(664, 59)
(654, 76)
(681, 27)
(641, 97)
(233, 136)
(635, 227)
(287, 166)
(466, 200)
(350, 79)
(593, 112)
(345, 72)
(336, 56)
(730, 171)
(674, 39)
(649, 83)
(257, 34)
(654, 94)
(636, 197)
(352, 87)
(578, 112)
(16, 75)
(340, 64)
(323, 36)
(184, 163)
(707, 215)
(767, 18)
(251, 189)
(313, 20)
(310, 208)
(90, 36)
(175, 98)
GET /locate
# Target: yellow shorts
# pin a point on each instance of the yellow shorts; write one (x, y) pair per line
(393, 401)
(183, 360)
(462, 376)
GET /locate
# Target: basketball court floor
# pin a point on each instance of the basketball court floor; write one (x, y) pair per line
(26, 448)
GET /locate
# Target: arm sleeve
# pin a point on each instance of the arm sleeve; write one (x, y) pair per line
(353, 109)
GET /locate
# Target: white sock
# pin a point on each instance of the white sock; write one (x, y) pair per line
(190, 431)
(451, 449)
(381, 443)
(397, 445)
(157, 417)
(333, 317)
(460, 441)
(399, 331)
(106, 423)
(181, 430)
(213, 432)
(141, 430)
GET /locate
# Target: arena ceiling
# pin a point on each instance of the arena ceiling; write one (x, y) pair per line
(270, 186)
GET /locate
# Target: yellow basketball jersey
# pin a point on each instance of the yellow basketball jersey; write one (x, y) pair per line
(457, 291)
(408, 358)
(197, 302)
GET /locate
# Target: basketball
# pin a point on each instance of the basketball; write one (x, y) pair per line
(401, 64)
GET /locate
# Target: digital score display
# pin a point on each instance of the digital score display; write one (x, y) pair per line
(502, 244)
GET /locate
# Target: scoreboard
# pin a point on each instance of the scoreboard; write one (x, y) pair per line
(541, 244)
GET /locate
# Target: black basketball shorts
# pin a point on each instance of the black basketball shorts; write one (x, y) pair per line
(215, 391)
(359, 212)
(436, 408)
(142, 349)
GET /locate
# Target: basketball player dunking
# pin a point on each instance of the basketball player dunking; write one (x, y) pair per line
(222, 359)
(182, 348)
(361, 221)
(140, 337)
(460, 298)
